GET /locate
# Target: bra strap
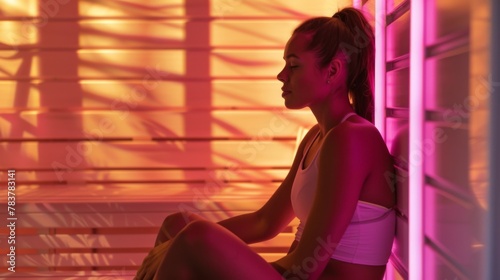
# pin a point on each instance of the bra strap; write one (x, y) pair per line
(347, 116)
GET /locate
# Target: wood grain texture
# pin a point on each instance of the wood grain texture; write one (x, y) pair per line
(153, 124)
(117, 113)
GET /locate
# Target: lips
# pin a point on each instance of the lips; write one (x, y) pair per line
(285, 92)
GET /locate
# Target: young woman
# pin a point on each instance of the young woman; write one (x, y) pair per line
(336, 186)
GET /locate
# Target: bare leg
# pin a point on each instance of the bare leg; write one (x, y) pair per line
(173, 224)
(170, 227)
(205, 250)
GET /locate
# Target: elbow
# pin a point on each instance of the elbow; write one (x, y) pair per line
(270, 234)
(268, 227)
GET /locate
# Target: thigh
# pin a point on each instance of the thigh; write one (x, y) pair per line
(210, 251)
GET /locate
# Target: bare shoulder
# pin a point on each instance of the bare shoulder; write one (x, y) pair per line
(357, 138)
(360, 157)
(358, 130)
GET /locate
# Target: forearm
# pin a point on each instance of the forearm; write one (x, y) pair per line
(250, 228)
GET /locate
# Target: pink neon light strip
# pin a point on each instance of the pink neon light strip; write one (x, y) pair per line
(380, 56)
(417, 47)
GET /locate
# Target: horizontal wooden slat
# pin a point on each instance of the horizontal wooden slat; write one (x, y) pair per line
(92, 222)
(139, 223)
(126, 64)
(151, 176)
(111, 207)
(47, 242)
(45, 274)
(89, 94)
(446, 263)
(146, 34)
(209, 193)
(167, 9)
(84, 261)
(67, 156)
(100, 125)
(441, 141)
(448, 214)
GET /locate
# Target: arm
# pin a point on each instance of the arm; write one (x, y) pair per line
(275, 215)
(343, 168)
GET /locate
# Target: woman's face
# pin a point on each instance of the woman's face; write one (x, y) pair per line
(304, 84)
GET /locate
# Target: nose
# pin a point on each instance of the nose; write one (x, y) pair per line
(282, 75)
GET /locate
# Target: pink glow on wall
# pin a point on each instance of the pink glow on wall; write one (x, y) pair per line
(380, 56)
(430, 201)
(416, 135)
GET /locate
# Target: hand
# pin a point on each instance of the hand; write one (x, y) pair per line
(152, 262)
(278, 268)
(284, 268)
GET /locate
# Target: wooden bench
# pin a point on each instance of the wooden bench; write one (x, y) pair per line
(90, 230)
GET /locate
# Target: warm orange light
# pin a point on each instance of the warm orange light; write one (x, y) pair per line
(16, 34)
(280, 8)
(8, 96)
(127, 8)
(131, 63)
(478, 100)
(132, 33)
(243, 33)
(168, 101)
(20, 8)
(11, 61)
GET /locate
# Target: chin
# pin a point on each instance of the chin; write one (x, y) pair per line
(293, 106)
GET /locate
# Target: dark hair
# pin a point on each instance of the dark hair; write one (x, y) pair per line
(348, 31)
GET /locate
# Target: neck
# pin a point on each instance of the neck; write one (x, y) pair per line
(329, 114)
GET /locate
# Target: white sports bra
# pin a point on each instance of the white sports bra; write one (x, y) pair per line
(368, 238)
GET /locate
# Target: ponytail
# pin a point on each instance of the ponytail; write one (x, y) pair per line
(361, 69)
(347, 31)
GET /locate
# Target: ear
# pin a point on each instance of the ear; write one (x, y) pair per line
(335, 69)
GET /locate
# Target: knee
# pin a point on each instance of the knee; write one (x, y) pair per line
(176, 219)
(198, 233)
(174, 223)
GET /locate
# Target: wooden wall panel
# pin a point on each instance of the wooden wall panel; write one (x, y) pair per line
(146, 154)
(159, 124)
(115, 114)
(397, 32)
(134, 64)
(85, 261)
(232, 173)
(59, 242)
(121, 94)
(125, 9)
(146, 34)
(128, 192)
